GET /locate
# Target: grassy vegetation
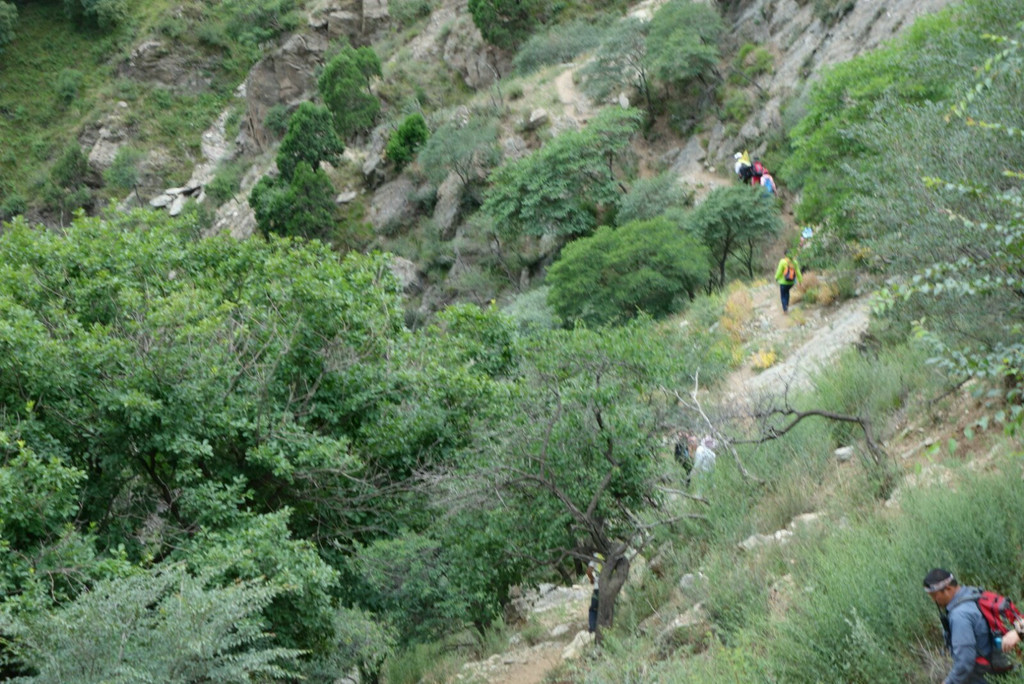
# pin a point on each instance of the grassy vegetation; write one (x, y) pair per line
(58, 78)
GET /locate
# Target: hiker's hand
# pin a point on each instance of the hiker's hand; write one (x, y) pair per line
(1010, 639)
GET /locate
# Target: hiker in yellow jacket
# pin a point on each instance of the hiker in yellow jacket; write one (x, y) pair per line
(786, 274)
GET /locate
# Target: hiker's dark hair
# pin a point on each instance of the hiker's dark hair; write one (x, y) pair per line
(937, 577)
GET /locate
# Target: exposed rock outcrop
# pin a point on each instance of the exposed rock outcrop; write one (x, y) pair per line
(285, 77)
(802, 45)
(170, 65)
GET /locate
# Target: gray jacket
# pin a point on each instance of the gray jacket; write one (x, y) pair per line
(967, 635)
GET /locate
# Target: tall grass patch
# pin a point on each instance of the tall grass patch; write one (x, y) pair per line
(864, 612)
(561, 43)
(873, 386)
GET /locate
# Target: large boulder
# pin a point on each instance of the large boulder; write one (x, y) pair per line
(170, 65)
(284, 77)
(359, 22)
(802, 45)
(407, 274)
(449, 201)
(392, 205)
(466, 53)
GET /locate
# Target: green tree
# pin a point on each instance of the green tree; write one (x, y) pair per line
(255, 409)
(830, 141)
(302, 206)
(612, 276)
(310, 138)
(652, 197)
(469, 151)
(8, 21)
(735, 222)
(577, 450)
(506, 23)
(106, 14)
(683, 42)
(67, 189)
(562, 188)
(164, 625)
(983, 341)
(344, 85)
(407, 138)
(252, 22)
(123, 173)
(621, 60)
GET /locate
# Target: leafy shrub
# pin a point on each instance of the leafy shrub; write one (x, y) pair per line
(531, 312)
(144, 626)
(8, 20)
(276, 119)
(644, 266)
(69, 81)
(123, 173)
(344, 85)
(651, 197)
(737, 104)
(561, 43)
(407, 139)
(407, 12)
(831, 11)
(558, 189)
(464, 150)
(11, 205)
(507, 23)
(227, 181)
(302, 206)
(310, 139)
(420, 664)
(751, 61)
(252, 22)
(683, 41)
(106, 14)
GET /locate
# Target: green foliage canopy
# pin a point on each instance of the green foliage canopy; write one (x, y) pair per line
(460, 149)
(506, 23)
(310, 138)
(8, 21)
(683, 41)
(643, 266)
(561, 188)
(302, 206)
(621, 60)
(407, 138)
(344, 86)
(733, 222)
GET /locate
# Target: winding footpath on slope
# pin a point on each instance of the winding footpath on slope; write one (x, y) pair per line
(823, 334)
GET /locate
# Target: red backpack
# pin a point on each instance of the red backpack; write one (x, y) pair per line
(999, 612)
(1001, 615)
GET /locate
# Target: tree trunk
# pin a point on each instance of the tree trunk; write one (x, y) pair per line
(613, 577)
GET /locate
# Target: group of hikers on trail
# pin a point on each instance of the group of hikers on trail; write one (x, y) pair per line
(754, 173)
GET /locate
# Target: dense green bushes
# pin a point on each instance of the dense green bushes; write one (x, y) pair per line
(619, 273)
(256, 411)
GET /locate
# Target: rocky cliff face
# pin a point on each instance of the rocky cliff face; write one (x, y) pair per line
(802, 37)
(803, 43)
